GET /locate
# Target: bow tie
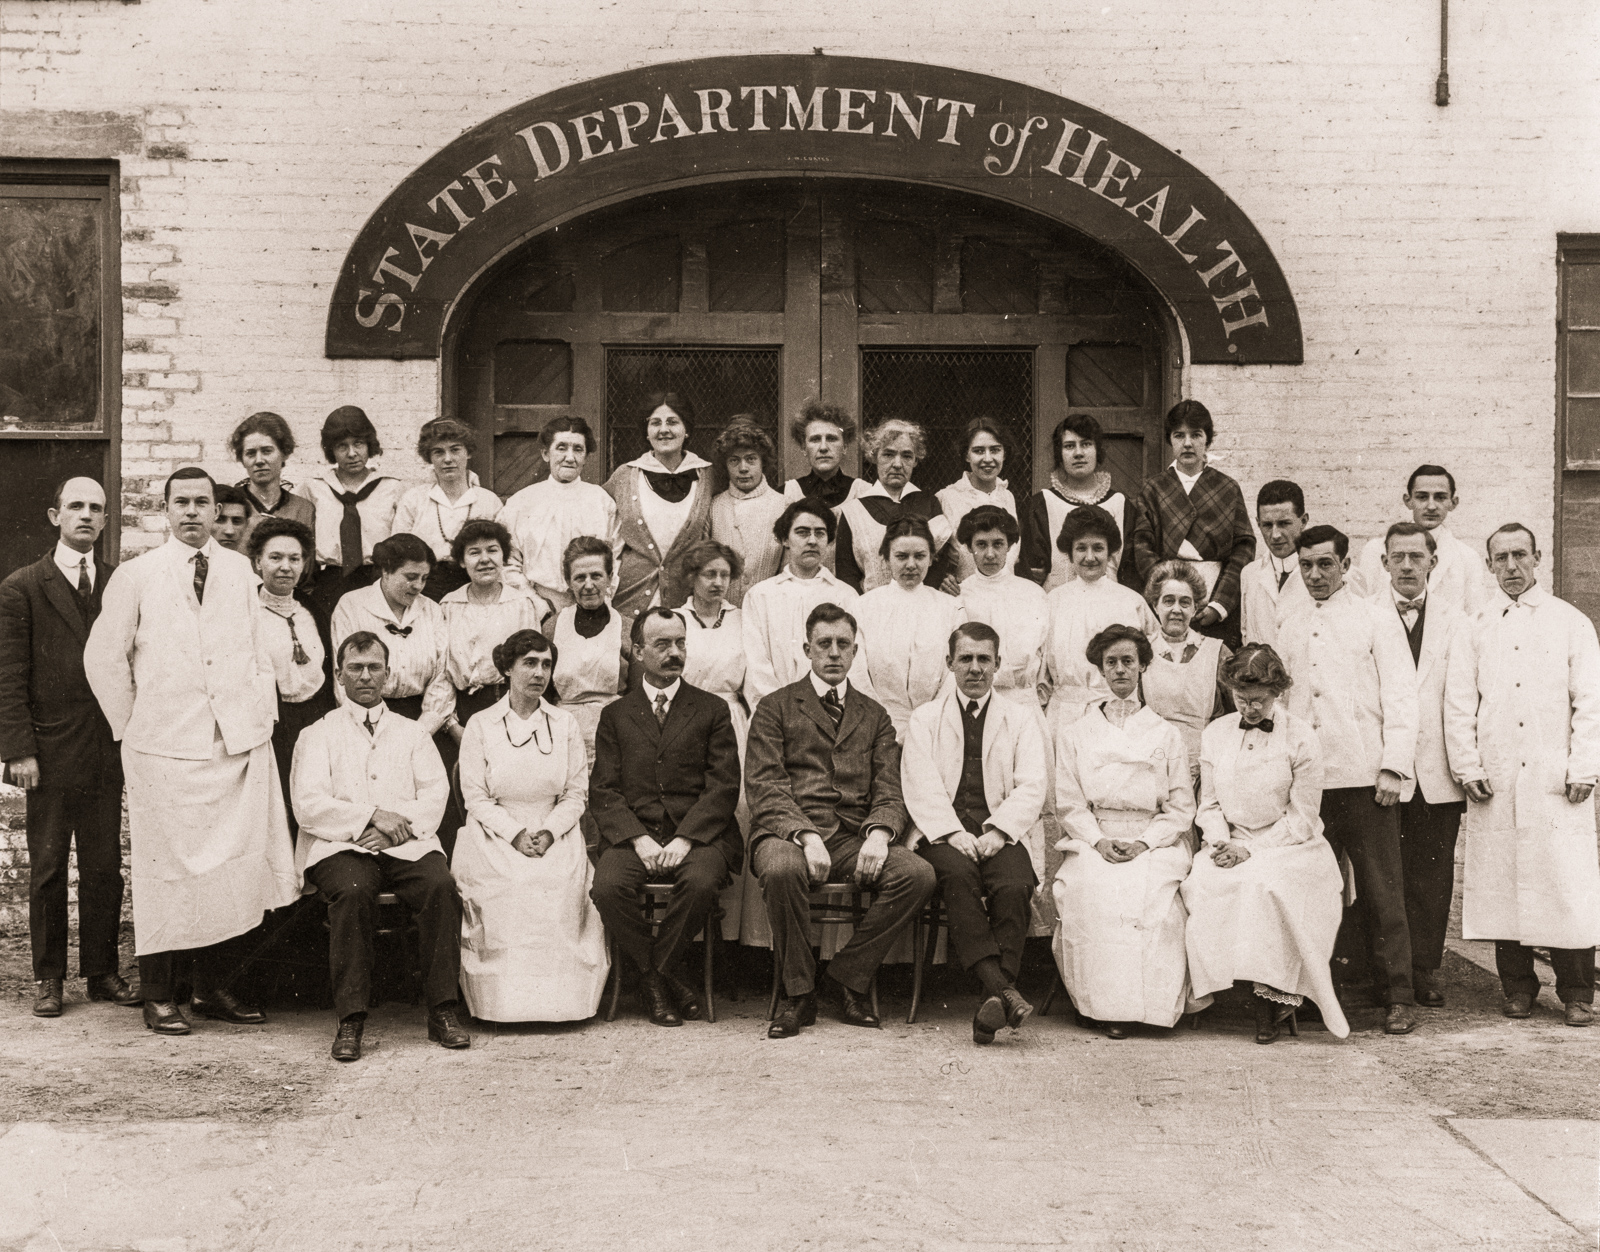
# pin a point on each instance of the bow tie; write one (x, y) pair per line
(672, 487)
(403, 631)
(1409, 606)
(1264, 725)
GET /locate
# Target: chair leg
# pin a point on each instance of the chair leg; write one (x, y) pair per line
(616, 980)
(777, 983)
(710, 934)
(873, 989)
(1294, 1026)
(921, 936)
(1050, 996)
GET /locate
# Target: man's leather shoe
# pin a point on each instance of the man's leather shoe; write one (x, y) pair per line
(162, 1016)
(658, 1002)
(47, 1001)
(1431, 998)
(347, 1043)
(1579, 1014)
(989, 1018)
(855, 1009)
(1018, 1010)
(114, 988)
(445, 1028)
(792, 1015)
(685, 995)
(223, 1006)
(1519, 1005)
(1398, 1020)
(1424, 983)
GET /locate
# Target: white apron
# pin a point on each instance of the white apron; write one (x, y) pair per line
(588, 671)
(1056, 509)
(1185, 694)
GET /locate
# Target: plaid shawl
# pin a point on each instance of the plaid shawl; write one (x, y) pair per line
(1213, 518)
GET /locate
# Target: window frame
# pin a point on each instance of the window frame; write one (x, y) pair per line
(1571, 249)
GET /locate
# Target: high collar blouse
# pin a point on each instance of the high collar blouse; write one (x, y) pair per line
(417, 649)
(475, 630)
(297, 681)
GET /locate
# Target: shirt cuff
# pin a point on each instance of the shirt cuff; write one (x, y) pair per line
(1222, 613)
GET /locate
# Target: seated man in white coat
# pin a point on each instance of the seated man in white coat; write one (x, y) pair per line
(1522, 725)
(370, 790)
(1355, 682)
(1458, 579)
(972, 774)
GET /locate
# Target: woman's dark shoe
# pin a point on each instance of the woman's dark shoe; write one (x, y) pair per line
(114, 989)
(1267, 1020)
(1115, 1030)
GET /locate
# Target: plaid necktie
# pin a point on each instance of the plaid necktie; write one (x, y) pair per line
(835, 707)
(661, 708)
(201, 565)
(85, 589)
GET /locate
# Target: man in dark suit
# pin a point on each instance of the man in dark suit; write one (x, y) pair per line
(823, 783)
(57, 746)
(662, 792)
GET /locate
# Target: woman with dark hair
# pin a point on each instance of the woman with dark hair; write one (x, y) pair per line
(1265, 897)
(591, 665)
(548, 515)
(742, 516)
(823, 432)
(354, 505)
(1081, 608)
(996, 595)
(663, 503)
(262, 443)
(986, 451)
(1183, 683)
(437, 511)
(1125, 806)
(1192, 512)
(532, 945)
(1079, 478)
(896, 447)
(480, 614)
(906, 625)
(280, 549)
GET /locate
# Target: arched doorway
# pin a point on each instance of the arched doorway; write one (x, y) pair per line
(751, 296)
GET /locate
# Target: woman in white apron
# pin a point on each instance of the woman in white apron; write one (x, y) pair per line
(714, 662)
(1079, 478)
(987, 451)
(1125, 803)
(906, 626)
(1181, 685)
(1080, 609)
(1265, 896)
(591, 670)
(545, 517)
(996, 595)
(533, 948)
(896, 447)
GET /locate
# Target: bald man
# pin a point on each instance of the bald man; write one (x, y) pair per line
(57, 746)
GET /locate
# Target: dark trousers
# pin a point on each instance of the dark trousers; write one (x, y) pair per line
(1356, 824)
(1574, 969)
(350, 882)
(94, 815)
(1428, 868)
(903, 889)
(616, 894)
(976, 932)
(208, 970)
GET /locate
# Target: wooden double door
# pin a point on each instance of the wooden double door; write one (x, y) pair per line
(752, 297)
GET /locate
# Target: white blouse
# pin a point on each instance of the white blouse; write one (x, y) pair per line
(1018, 610)
(1078, 611)
(906, 637)
(1133, 775)
(416, 643)
(745, 524)
(959, 499)
(666, 518)
(475, 630)
(427, 513)
(1259, 788)
(376, 512)
(544, 518)
(297, 681)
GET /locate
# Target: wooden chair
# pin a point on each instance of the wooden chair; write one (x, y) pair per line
(845, 904)
(656, 895)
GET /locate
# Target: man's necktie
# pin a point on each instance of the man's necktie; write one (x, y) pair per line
(1283, 577)
(403, 631)
(371, 732)
(201, 566)
(835, 708)
(350, 525)
(972, 709)
(661, 708)
(85, 589)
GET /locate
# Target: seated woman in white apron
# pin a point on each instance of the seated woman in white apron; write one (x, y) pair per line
(533, 948)
(1265, 896)
(906, 626)
(591, 669)
(1079, 478)
(1124, 802)
(985, 449)
(1182, 684)
(896, 447)
(714, 662)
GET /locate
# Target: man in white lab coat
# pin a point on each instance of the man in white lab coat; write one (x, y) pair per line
(972, 774)
(1431, 818)
(1355, 681)
(1458, 579)
(179, 665)
(1522, 726)
(1270, 587)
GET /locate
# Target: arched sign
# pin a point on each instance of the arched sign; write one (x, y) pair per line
(546, 160)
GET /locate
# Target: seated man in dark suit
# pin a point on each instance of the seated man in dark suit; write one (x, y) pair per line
(823, 783)
(662, 792)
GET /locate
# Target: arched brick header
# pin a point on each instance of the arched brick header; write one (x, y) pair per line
(594, 143)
